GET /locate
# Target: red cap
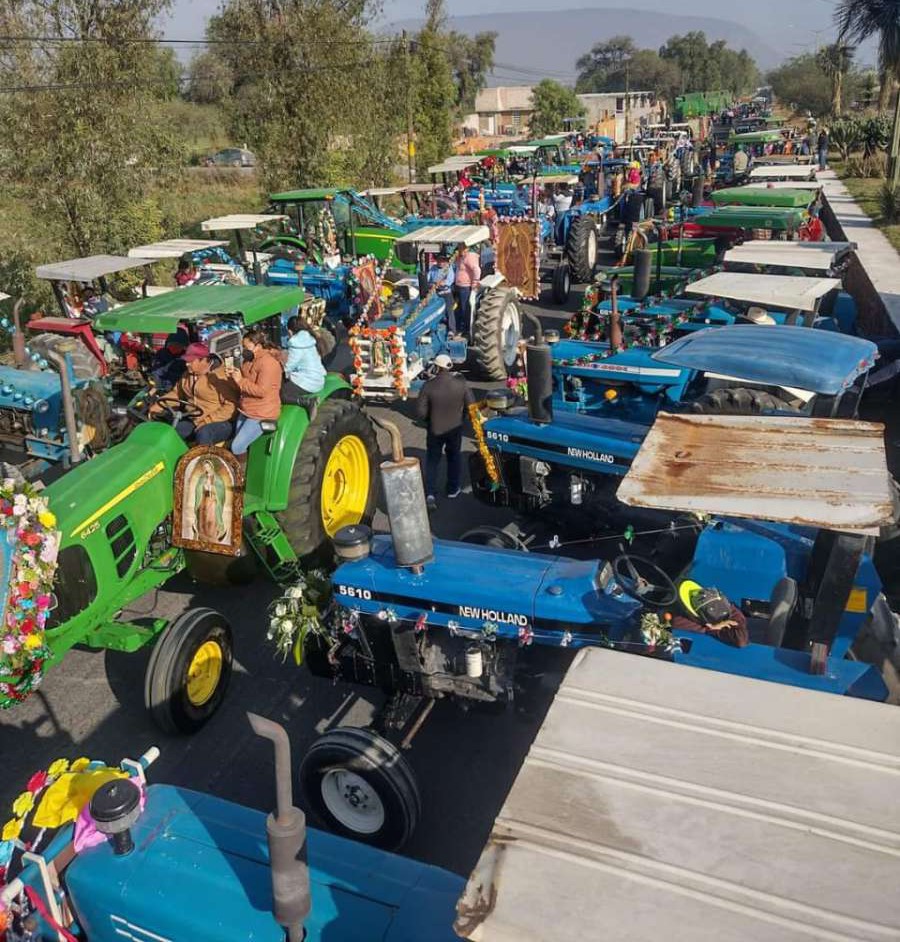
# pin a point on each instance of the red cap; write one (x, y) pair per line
(196, 351)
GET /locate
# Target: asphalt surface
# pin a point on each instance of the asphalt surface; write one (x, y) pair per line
(92, 705)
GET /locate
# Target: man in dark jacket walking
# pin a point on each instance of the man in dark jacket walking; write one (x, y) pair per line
(443, 403)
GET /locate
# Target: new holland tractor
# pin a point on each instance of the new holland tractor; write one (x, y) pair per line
(304, 479)
(778, 514)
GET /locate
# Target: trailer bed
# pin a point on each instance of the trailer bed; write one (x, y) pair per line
(665, 802)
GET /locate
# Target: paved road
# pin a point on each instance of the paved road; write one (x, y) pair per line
(93, 705)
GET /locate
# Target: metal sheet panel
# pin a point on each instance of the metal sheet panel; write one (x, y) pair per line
(174, 248)
(239, 221)
(90, 268)
(829, 473)
(448, 235)
(666, 802)
(820, 256)
(789, 292)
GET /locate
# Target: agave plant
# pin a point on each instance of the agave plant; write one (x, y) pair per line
(846, 135)
(876, 132)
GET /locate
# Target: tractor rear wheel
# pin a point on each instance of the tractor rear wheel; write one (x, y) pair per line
(496, 333)
(334, 477)
(581, 247)
(562, 283)
(360, 785)
(737, 400)
(188, 671)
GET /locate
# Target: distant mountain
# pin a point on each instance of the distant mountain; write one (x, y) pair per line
(546, 43)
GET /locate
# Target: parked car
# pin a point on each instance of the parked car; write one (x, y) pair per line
(232, 157)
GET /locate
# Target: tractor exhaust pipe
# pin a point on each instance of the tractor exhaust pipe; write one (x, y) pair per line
(286, 835)
(68, 404)
(18, 338)
(643, 267)
(404, 497)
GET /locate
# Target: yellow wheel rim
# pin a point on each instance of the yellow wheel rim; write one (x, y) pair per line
(204, 673)
(345, 487)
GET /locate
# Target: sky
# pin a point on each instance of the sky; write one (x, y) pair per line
(790, 26)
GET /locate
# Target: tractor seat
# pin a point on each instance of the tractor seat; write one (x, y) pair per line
(782, 604)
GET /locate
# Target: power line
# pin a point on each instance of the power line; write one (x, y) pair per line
(165, 41)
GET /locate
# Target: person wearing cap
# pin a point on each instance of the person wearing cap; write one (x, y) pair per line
(710, 612)
(168, 363)
(443, 403)
(204, 386)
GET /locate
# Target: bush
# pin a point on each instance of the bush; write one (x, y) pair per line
(889, 203)
(846, 135)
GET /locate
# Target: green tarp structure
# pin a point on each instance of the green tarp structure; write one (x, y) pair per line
(746, 196)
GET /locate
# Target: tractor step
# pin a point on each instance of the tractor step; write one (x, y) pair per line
(270, 543)
(124, 636)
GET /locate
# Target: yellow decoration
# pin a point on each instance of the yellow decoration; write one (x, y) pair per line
(478, 420)
(23, 804)
(32, 642)
(858, 600)
(12, 829)
(58, 767)
(47, 518)
(79, 765)
(63, 800)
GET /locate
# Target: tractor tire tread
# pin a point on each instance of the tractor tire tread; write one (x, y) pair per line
(486, 333)
(737, 400)
(577, 247)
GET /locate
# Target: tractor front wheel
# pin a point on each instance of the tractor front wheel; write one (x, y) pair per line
(562, 283)
(359, 785)
(736, 400)
(333, 481)
(581, 247)
(496, 333)
(189, 670)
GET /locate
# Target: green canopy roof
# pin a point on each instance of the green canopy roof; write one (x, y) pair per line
(753, 217)
(757, 137)
(311, 195)
(162, 314)
(750, 196)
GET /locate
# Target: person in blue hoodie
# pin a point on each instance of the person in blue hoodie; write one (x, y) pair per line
(304, 374)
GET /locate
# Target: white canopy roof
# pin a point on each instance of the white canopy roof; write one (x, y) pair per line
(665, 802)
(820, 256)
(787, 185)
(455, 163)
(239, 221)
(784, 172)
(383, 191)
(827, 473)
(569, 178)
(419, 187)
(448, 235)
(90, 268)
(787, 292)
(174, 248)
(523, 149)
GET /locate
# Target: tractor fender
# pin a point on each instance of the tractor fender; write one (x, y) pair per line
(270, 462)
(491, 281)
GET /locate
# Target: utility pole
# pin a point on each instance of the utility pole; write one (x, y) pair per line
(894, 162)
(627, 100)
(410, 142)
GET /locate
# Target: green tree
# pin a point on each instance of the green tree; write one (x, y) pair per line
(169, 74)
(552, 104)
(605, 59)
(802, 84)
(209, 79)
(96, 141)
(471, 58)
(859, 20)
(835, 60)
(712, 66)
(647, 71)
(434, 93)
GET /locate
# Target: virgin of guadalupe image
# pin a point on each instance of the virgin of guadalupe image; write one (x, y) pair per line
(209, 505)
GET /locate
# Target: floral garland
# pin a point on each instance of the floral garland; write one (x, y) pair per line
(29, 530)
(490, 465)
(326, 231)
(297, 613)
(374, 298)
(381, 340)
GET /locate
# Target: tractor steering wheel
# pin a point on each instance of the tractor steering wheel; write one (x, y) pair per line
(643, 580)
(172, 411)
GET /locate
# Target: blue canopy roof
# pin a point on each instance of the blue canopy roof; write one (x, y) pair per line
(819, 361)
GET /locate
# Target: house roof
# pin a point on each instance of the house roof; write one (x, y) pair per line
(504, 98)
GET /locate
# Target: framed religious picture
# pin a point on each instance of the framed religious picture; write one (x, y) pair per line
(209, 501)
(518, 256)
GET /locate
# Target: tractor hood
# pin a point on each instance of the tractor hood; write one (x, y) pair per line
(200, 871)
(635, 365)
(818, 361)
(22, 388)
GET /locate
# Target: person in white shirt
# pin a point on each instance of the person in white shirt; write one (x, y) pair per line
(562, 200)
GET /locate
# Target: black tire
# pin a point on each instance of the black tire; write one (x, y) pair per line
(493, 357)
(382, 768)
(582, 248)
(302, 520)
(562, 283)
(737, 400)
(166, 678)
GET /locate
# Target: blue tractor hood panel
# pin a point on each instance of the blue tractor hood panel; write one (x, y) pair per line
(200, 871)
(819, 361)
(33, 384)
(634, 365)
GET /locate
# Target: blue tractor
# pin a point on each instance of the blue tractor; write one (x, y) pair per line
(171, 863)
(786, 538)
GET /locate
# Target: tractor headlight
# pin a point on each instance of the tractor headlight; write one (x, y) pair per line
(41, 406)
(603, 576)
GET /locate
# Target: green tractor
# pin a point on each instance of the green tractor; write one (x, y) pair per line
(304, 480)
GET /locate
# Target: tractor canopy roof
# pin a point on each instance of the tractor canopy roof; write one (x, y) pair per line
(90, 268)
(455, 164)
(174, 248)
(523, 150)
(744, 196)
(825, 473)
(316, 194)
(774, 218)
(759, 137)
(815, 185)
(784, 292)
(784, 172)
(387, 190)
(818, 256)
(163, 314)
(818, 361)
(446, 235)
(240, 221)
